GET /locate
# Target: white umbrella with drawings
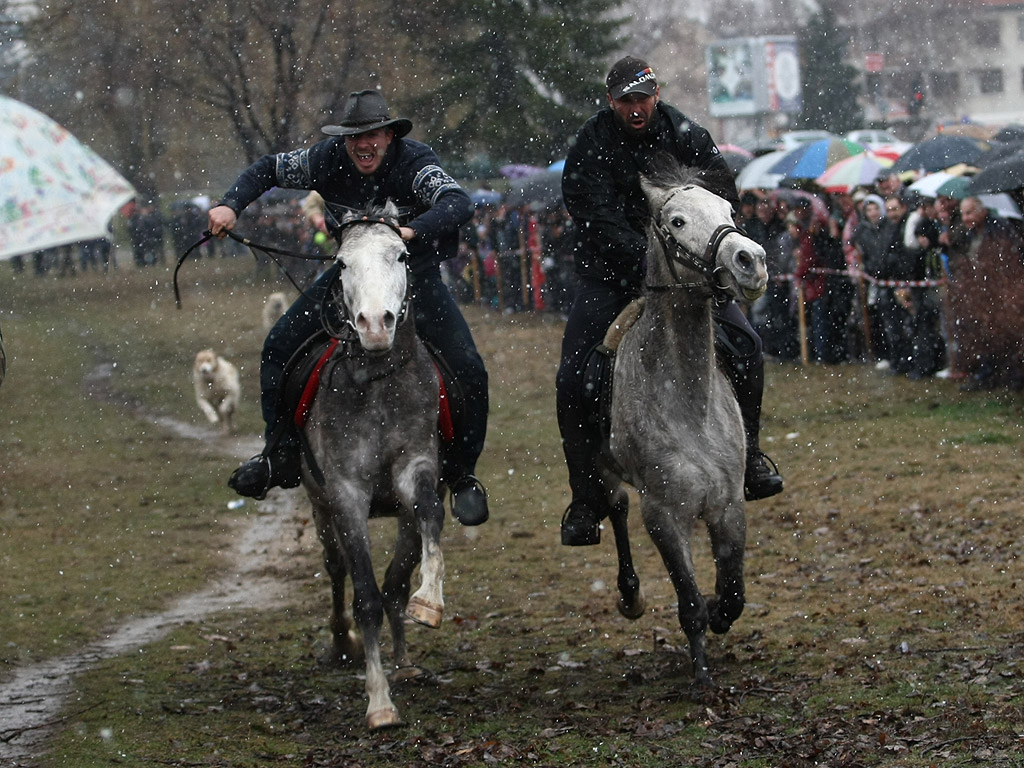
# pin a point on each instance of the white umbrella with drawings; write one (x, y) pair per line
(54, 190)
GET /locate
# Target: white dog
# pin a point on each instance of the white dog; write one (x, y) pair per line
(277, 304)
(217, 388)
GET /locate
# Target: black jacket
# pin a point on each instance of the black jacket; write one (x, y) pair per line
(410, 175)
(601, 187)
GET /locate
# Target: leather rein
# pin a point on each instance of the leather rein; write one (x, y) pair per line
(332, 326)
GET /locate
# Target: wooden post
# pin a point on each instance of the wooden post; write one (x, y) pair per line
(801, 314)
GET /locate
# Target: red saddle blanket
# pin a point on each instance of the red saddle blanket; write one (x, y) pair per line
(445, 423)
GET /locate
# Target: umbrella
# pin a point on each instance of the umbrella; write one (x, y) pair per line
(818, 207)
(558, 165)
(482, 197)
(736, 149)
(56, 190)
(736, 161)
(940, 152)
(1005, 175)
(811, 160)
(519, 170)
(941, 183)
(543, 189)
(756, 174)
(855, 171)
(1002, 205)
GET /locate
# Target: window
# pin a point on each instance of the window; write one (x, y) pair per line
(945, 84)
(1020, 27)
(990, 80)
(986, 32)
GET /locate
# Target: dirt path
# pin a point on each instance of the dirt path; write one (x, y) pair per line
(33, 700)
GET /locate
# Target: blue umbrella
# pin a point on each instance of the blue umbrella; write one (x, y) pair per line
(485, 197)
(812, 160)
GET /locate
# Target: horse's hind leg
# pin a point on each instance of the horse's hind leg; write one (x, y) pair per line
(631, 599)
(672, 538)
(728, 541)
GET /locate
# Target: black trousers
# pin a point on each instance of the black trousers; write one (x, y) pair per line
(595, 306)
(438, 321)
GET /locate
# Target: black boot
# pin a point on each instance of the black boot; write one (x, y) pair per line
(469, 501)
(280, 466)
(581, 525)
(762, 478)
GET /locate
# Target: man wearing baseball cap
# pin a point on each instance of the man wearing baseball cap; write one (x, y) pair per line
(601, 188)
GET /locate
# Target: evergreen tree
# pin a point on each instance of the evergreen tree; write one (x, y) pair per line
(830, 87)
(516, 77)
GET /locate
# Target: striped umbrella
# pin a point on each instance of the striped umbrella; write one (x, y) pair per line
(812, 160)
(858, 170)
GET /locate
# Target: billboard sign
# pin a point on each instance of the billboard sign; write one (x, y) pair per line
(753, 75)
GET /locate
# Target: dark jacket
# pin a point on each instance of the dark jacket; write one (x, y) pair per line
(410, 175)
(601, 187)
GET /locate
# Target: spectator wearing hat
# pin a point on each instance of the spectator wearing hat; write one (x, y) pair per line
(601, 188)
(366, 160)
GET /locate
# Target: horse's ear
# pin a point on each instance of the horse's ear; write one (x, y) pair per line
(656, 195)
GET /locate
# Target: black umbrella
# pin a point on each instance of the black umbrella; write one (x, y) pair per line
(1003, 175)
(542, 189)
(940, 152)
(736, 161)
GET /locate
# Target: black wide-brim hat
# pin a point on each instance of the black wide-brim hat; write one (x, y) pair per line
(366, 111)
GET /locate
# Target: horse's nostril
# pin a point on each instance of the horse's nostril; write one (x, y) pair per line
(745, 260)
(389, 319)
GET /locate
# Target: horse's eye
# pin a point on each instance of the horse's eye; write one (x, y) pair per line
(677, 222)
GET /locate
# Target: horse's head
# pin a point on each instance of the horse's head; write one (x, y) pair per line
(373, 276)
(694, 229)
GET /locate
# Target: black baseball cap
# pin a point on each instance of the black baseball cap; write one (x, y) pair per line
(631, 75)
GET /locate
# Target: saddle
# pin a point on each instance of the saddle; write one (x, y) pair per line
(301, 381)
(732, 342)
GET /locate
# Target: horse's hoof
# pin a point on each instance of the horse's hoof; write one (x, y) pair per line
(633, 610)
(422, 612)
(383, 718)
(404, 674)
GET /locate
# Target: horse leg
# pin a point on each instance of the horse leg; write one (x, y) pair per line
(396, 586)
(426, 606)
(728, 540)
(631, 599)
(367, 606)
(672, 538)
(345, 644)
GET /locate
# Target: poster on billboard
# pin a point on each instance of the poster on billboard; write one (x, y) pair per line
(753, 75)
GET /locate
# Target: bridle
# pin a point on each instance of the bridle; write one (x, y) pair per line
(676, 255)
(342, 326)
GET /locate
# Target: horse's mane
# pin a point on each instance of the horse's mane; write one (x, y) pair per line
(386, 210)
(667, 173)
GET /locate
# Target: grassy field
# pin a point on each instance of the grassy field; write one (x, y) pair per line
(885, 616)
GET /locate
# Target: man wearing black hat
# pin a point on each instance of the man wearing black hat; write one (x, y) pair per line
(601, 188)
(368, 160)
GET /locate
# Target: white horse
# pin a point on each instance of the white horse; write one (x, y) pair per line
(676, 432)
(372, 430)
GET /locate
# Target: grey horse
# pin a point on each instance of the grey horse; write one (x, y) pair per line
(373, 434)
(676, 434)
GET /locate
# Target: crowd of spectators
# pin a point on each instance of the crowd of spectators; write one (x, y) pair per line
(515, 259)
(921, 285)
